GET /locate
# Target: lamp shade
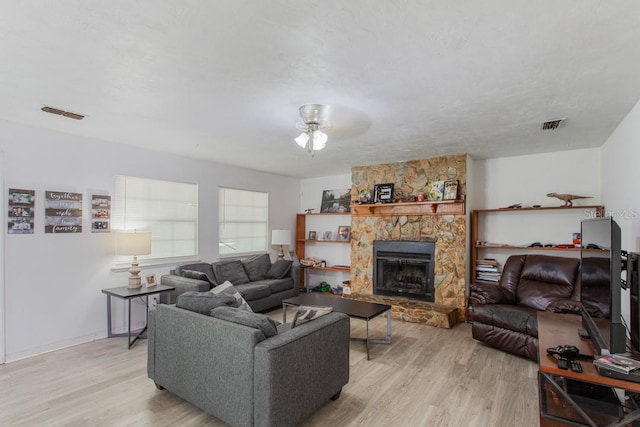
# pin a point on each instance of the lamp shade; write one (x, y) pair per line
(136, 243)
(280, 237)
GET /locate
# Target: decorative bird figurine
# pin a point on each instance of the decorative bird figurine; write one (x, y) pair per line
(567, 198)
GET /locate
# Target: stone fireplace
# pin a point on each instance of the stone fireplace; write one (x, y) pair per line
(404, 268)
(446, 229)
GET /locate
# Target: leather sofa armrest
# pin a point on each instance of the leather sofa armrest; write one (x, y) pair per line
(484, 293)
(182, 285)
(564, 306)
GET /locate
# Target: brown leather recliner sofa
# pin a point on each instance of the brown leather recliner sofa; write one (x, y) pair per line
(505, 315)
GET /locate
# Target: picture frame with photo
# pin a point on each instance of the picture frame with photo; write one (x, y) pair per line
(312, 235)
(151, 280)
(450, 190)
(328, 235)
(336, 201)
(292, 256)
(344, 233)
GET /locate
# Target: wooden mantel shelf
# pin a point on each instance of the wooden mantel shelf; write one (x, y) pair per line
(446, 207)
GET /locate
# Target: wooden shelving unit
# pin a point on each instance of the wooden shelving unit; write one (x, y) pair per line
(445, 207)
(475, 232)
(302, 242)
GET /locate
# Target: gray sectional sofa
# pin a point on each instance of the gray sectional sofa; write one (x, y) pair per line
(261, 283)
(237, 374)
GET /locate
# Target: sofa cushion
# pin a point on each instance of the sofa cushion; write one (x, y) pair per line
(193, 274)
(254, 320)
(545, 279)
(510, 317)
(278, 269)
(204, 302)
(307, 313)
(197, 266)
(254, 290)
(231, 271)
(257, 266)
(278, 285)
(228, 289)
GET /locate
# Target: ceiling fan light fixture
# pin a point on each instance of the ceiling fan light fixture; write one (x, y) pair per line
(313, 122)
(302, 139)
(319, 140)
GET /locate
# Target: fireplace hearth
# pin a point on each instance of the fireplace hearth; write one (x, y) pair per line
(404, 268)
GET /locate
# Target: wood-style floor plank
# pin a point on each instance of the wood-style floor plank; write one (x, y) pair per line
(427, 377)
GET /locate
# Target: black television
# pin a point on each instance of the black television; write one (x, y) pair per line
(600, 285)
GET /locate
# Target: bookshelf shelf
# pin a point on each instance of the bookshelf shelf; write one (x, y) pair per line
(478, 250)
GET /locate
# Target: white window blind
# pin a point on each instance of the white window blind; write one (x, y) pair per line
(243, 221)
(169, 210)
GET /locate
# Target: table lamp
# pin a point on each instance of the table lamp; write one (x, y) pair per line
(134, 243)
(280, 237)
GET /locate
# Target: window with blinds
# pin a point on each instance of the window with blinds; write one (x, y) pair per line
(169, 210)
(243, 221)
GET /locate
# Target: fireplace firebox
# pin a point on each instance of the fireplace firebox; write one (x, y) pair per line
(404, 268)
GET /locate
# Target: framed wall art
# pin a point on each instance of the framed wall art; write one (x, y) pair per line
(336, 201)
(100, 213)
(437, 191)
(21, 211)
(450, 190)
(383, 193)
(63, 212)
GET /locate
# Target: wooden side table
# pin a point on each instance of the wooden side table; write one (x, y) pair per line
(127, 294)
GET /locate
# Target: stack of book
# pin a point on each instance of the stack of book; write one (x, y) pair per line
(487, 270)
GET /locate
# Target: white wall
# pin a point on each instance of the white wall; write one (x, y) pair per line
(527, 179)
(2, 251)
(621, 192)
(621, 178)
(53, 281)
(311, 189)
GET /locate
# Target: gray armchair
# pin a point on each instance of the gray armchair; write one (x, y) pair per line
(234, 373)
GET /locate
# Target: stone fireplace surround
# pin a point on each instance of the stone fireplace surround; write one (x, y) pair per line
(448, 230)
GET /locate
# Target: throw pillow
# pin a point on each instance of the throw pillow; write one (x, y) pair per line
(231, 271)
(306, 313)
(278, 269)
(203, 302)
(253, 320)
(192, 274)
(257, 266)
(227, 289)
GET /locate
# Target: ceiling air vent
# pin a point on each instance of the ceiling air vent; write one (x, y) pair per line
(552, 124)
(60, 112)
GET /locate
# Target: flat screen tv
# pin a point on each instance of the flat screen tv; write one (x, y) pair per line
(601, 291)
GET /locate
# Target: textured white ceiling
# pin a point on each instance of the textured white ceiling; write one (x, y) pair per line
(222, 80)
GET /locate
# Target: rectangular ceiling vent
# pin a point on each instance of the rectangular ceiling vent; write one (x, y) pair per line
(60, 112)
(552, 124)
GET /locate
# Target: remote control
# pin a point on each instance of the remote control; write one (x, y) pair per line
(563, 363)
(576, 366)
(583, 334)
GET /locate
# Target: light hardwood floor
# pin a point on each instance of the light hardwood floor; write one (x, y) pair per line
(427, 377)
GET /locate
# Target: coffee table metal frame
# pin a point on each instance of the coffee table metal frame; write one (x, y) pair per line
(128, 294)
(353, 308)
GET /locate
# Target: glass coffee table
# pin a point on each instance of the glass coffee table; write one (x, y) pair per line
(353, 308)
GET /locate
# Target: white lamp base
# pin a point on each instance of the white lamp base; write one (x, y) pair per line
(135, 281)
(281, 253)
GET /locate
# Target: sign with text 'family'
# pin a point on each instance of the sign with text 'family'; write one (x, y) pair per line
(63, 212)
